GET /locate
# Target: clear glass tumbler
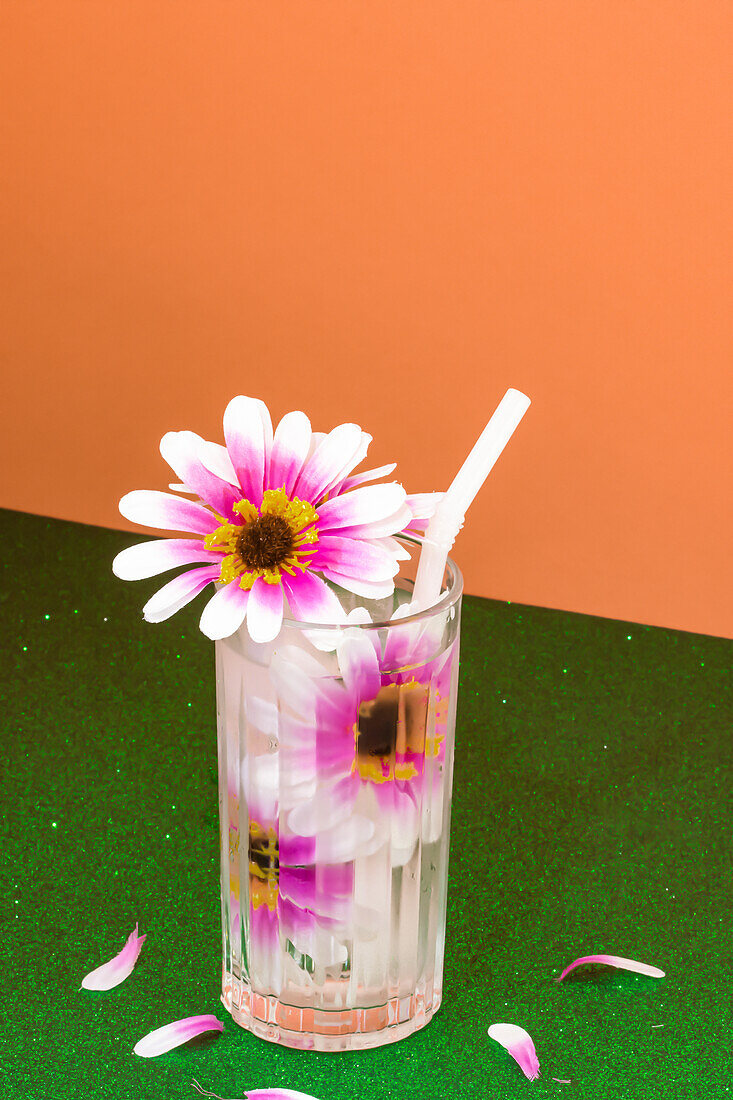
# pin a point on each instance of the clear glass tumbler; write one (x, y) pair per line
(335, 774)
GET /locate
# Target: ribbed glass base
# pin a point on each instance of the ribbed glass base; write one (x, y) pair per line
(328, 1029)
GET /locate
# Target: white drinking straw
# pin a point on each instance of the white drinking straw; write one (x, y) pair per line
(451, 510)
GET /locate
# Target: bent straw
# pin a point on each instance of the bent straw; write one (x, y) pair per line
(451, 511)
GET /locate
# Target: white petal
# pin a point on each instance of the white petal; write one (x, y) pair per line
(317, 815)
(290, 449)
(217, 461)
(345, 841)
(225, 612)
(148, 559)
(328, 462)
(368, 475)
(372, 590)
(364, 506)
(173, 1035)
(246, 433)
(112, 973)
(177, 593)
(265, 611)
(151, 508)
(519, 1044)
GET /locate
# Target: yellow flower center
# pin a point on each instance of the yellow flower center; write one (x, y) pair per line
(270, 540)
(390, 726)
(264, 866)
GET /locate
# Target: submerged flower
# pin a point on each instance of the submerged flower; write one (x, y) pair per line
(277, 515)
(377, 731)
(294, 893)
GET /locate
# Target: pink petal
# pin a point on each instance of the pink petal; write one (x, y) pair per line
(225, 612)
(265, 611)
(368, 475)
(337, 485)
(151, 508)
(260, 1094)
(615, 960)
(147, 559)
(369, 505)
(217, 461)
(354, 558)
(182, 452)
(311, 600)
(178, 592)
(371, 590)
(389, 525)
(289, 450)
(519, 1044)
(394, 547)
(562, 1080)
(115, 971)
(359, 665)
(423, 505)
(173, 1035)
(278, 1094)
(328, 462)
(246, 422)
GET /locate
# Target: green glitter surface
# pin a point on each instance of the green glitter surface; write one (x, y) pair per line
(592, 813)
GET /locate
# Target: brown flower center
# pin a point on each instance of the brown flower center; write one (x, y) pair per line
(264, 866)
(265, 542)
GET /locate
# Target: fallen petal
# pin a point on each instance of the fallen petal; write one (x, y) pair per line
(173, 1035)
(115, 971)
(562, 1080)
(271, 1094)
(615, 960)
(519, 1044)
(278, 1094)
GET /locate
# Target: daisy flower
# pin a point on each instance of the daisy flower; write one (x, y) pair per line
(296, 891)
(277, 514)
(379, 729)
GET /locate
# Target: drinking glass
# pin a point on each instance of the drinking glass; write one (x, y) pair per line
(335, 773)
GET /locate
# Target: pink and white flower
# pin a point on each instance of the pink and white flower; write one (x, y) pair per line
(378, 730)
(298, 892)
(277, 515)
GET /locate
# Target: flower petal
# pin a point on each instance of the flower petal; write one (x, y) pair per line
(359, 665)
(369, 505)
(422, 506)
(246, 421)
(391, 525)
(148, 559)
(328, 462)
(265, 611)
(367, 475)
(393, 546)
(337, 486)
(519, 1044)
(311, 600)
(289, 451)
(217, 461)
(115, 971)
(278, 1094)
(178, 592)
(151, 508)
(259, 1094)
(182, 452)
(361, 558)
(225, 612)
(615, 960)
(173, 1035)
(371, 590)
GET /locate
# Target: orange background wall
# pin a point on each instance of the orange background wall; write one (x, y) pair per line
(387, 211)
